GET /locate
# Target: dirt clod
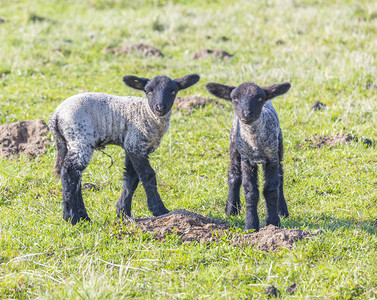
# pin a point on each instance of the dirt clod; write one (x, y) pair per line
(225, 56)
(370, 86)
(291, 289)
(145, 50)
(279, 42)
(36, 18)
(90, 187)
(189, 227)
(368, 143)
(272, 291)
(186, 104)
(28, 137)
(318, 106)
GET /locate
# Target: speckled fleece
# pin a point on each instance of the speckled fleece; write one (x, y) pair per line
(89, 121)
(255, 138)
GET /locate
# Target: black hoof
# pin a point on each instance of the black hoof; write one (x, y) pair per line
(232, 210)
(85, 218)
(123, 214)
(284, 214)
(161, 211)
(273, 221)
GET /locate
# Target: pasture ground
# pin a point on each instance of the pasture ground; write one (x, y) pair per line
(50, 50)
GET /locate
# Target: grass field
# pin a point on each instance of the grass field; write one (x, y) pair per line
(50, 50)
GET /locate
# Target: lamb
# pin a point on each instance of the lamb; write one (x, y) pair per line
(89, 121)
(255, 138)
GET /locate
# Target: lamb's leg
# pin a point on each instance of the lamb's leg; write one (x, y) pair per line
(271, 192)
(282, 206)
(131, 180)
(251, 191)
(82, 210)
(148, 177)
(233, 203)
(71, 173)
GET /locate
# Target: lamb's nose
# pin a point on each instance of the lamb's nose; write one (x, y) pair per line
(246, 113)
(160, 107)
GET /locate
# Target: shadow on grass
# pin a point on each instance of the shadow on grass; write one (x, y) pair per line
(321, 221)
(326, 222)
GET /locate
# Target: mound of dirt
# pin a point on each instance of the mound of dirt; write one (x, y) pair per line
(214, 53)
(186, 104)
(27, 137)
(271, 238)
(145, 50)
(317, 141)
(189, 227)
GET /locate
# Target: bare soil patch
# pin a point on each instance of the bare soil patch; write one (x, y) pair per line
(27, 137)
(318, 141)
(190, 227)
(272, 238)
(213, 53)
(143, 49)
(186, 104)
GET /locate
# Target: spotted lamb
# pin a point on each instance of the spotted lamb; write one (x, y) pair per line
(255, 138)
(89, 121)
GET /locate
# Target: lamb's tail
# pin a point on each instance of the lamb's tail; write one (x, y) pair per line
(61, 144)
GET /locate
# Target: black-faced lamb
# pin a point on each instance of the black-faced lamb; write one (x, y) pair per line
(89, 121)
(255, 138)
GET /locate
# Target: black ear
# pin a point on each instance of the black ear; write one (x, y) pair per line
(135, 82)
(220, 90)
(187, 81)
(275, 90)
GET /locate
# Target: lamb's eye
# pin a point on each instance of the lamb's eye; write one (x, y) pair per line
(150, 92)
(235, 100)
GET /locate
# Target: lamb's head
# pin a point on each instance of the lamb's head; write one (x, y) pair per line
(248, 98)
(161, 90)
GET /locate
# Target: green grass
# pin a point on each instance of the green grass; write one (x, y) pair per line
(326, 49)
